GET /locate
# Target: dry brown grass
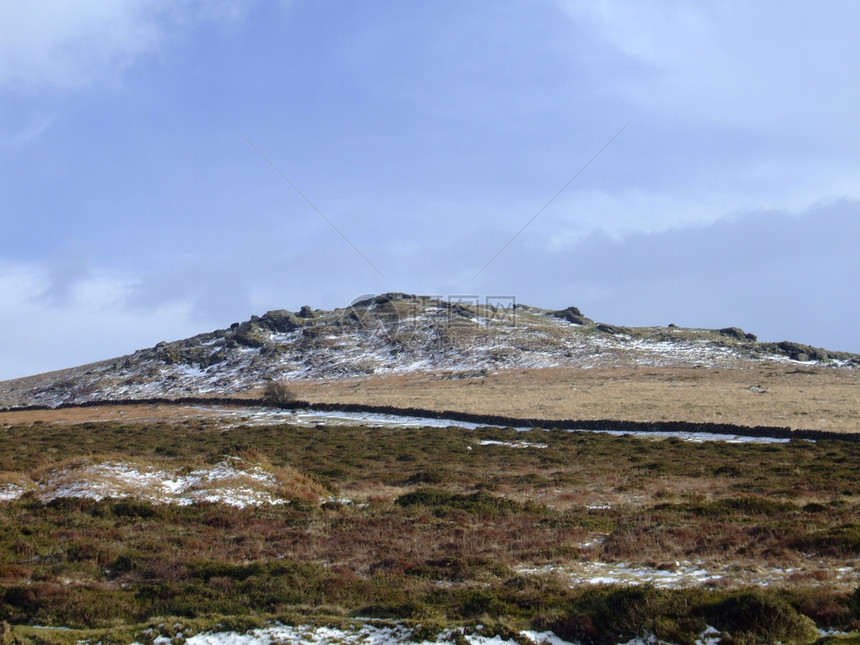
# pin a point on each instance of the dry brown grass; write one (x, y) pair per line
(773, 395)
(130, 413)
(819, 399)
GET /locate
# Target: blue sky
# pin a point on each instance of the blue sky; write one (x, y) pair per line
(133, 210)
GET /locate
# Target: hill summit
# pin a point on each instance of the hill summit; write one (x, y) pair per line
(398, 333)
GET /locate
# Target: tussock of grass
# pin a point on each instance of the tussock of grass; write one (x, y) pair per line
(250, 479)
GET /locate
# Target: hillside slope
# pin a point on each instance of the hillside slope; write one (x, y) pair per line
(396, 334)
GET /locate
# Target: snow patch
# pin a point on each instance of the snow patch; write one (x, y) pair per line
(685, 574)
(230, 481)
(692, 437)
(10, 491)
(512, 444)
(261, 416)
(356, 634)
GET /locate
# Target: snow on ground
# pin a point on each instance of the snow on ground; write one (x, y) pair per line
(694, 437)
(357, 634)
(622, 573)
(230, 481)
(691, 574)
(260, 416)
(256, 416)
(366, 633)
(10, 492)
(512, 444)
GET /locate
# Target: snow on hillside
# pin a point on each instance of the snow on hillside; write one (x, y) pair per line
(396, 334)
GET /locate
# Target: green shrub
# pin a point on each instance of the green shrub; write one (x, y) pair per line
(757, 617)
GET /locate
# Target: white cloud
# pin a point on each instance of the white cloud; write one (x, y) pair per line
(92, 323)
(71, 44)
(737, 107)
(767, 65)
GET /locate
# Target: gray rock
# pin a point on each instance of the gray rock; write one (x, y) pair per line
(281, 320)
(611, 329)
(572, 315)
(393, 297)
(734, 332)
(248, 334)
(800, 352)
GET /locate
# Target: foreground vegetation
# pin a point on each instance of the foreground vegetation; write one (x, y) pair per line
(434, 527)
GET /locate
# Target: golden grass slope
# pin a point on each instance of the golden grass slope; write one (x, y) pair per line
(799, 398)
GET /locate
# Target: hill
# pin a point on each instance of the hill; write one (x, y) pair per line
(405, 350)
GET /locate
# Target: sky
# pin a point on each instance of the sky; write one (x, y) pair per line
(169, 167)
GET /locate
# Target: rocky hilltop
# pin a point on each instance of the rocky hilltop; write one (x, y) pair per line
(398, 333)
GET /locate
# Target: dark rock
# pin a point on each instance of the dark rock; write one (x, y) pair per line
(249, 335)
(366, 302)
(393, 296)
(572, 315)
(751, 337)
(306, 312)
(611, 329)
(458, 309)
(804, 353)
(213, 359)
(280, 320)
(734, 332)
(673, 326)
(172, 358)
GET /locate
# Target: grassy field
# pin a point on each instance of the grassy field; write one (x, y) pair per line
(597, 538)
(773, 395)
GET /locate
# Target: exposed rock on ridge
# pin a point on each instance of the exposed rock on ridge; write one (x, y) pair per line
(397, 333)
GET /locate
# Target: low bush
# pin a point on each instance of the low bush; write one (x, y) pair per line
(279, 393)
(478, 503)
(758, 617)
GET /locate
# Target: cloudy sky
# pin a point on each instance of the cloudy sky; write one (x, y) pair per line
(146, 150)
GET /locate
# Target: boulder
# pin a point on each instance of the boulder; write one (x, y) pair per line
(306, 312)
(800, 352)
(611, 329)
(280, 320)
(734, 332)
(572, 315)
(249, 335)
(393, 297)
